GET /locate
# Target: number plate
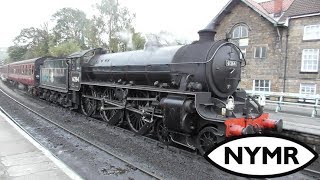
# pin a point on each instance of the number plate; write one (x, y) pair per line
(231, 63)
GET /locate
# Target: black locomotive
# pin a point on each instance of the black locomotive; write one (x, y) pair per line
(184, 94)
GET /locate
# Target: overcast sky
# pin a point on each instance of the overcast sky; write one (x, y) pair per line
(180, 17)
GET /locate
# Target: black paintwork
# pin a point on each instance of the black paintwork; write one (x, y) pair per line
(200, 66)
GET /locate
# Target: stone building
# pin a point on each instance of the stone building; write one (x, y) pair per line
(280, 40)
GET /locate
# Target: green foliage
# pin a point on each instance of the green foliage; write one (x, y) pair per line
(71, 24)
(30, 43)
(16, 52)
(114, 19)
(94, 33)
(138, 41)
(73, 31)
(64, 49)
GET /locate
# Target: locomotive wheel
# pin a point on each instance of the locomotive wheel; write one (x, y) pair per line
(135, 120)
(106, 115)
(47, 96)
(162, 133)
(88, 106)
(207, 139)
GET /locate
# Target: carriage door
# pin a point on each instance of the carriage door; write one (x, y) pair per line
(75, 74)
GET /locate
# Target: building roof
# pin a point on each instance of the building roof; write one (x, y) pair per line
(266, 9)
(269, 5)
(232, 3)
(302, 7)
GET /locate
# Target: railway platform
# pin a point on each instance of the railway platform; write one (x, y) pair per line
(298, 123)
(23, 158)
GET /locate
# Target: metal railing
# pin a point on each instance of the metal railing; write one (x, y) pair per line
(293, 99)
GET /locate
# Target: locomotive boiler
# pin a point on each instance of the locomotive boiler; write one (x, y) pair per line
(204, 65)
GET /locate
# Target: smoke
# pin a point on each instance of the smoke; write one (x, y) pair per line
(164, 38)
(126, 37)
(161, 39)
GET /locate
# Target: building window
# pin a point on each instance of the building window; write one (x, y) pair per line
(310, 58)
(308, 89)
(261, 85)
(240, 32)
(260, 52)
(311, 32)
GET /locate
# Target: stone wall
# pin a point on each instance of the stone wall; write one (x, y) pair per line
(261, 33)
(296, 44)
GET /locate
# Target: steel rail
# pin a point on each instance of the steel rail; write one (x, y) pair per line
(312, 172)
(74, 134)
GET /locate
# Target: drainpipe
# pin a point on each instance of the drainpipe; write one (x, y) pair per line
(286, 59)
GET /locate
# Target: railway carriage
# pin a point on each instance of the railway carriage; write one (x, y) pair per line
(26, 73)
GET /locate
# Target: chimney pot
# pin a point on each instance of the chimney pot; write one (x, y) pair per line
(277, 8)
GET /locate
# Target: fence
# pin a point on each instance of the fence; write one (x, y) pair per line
(293, 99)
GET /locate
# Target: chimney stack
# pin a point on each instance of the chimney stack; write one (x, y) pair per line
(277, 8)
(208, 33)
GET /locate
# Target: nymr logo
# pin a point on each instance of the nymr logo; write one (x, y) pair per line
(261, 156)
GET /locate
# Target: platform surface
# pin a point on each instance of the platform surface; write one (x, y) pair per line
(21, 159)
(299, 123)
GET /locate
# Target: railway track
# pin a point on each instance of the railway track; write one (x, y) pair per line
(312, 173)
(311, 139)
(151, 174)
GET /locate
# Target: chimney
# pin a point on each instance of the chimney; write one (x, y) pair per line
(277, 8)
(208, 33)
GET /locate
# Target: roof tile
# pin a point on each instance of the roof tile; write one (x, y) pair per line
(302, 7)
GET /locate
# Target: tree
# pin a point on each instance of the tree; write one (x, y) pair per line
(138, 41)
(16, 52)
(71, 24)
(30, 43)
(64, 49)
(94, 33)
(114, 19)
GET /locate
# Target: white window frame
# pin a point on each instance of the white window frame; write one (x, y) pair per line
(240, 32)
(260, 56)
(311, 32)
(314, 61)
(254, 85)
(308, 87)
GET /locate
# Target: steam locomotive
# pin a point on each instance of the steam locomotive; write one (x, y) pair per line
(183, 94)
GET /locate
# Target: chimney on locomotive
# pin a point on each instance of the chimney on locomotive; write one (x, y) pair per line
(208, 33)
